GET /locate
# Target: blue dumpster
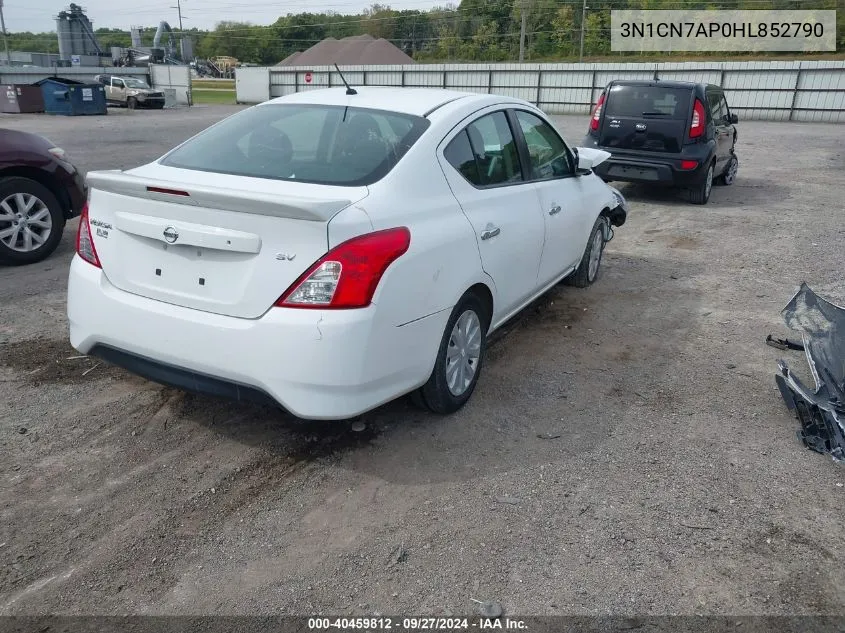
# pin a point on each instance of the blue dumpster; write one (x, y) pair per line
(71, 98)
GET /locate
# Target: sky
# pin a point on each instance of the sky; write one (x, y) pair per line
(38, 15)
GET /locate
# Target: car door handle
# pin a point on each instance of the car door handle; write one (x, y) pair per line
(490, 232)
(555, 210)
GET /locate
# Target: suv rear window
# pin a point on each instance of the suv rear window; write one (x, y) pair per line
(637, 101)
(330, 145)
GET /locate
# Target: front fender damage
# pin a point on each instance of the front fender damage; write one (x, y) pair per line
(821, 412)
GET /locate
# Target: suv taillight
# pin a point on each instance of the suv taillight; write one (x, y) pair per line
(348, 275)
(594, 122)
(84, 241)
(696, 127)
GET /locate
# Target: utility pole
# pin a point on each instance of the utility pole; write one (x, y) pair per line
(522, 31)
(5, 40)
(178, 7)
(583, 20)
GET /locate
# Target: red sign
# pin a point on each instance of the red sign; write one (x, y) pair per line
(308, 78)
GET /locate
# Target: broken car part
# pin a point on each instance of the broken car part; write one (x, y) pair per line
(821, 412)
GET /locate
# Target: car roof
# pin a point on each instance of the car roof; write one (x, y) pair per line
(655, 82)
(414, 101)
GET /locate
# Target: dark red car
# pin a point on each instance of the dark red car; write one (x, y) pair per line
(39, 191)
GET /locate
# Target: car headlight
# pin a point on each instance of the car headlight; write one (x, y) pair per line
(59, 153)
(620, 199)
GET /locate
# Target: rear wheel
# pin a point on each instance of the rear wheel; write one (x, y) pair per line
(701, 193)
(459, 358)
(31, 221)
(729, 175)
(588, 271)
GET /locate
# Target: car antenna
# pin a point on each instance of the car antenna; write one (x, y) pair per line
(349, 89)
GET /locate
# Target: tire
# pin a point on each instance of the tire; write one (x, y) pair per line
(727, 177)
(44, 220)
(588, 270)
(439, 395)
(131, 103)
(701, 193)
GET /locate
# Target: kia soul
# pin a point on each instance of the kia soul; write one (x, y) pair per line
(669, 133)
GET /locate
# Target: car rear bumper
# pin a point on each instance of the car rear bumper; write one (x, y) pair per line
(651, 167)
(667, 172)
(316, 364)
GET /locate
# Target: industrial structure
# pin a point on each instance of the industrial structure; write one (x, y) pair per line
(77, 43)
(161, 52)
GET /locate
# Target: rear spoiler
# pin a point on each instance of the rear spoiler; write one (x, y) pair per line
(241, 200)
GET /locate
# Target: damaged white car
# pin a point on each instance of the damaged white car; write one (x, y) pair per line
(332, 250)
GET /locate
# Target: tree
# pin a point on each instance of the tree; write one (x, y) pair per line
(563, 31)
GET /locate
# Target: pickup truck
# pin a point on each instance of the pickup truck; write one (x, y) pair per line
(130, 92)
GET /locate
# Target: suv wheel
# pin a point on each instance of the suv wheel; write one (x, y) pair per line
(132, 103)
(701, 193)
(729, 175)
(31, 221)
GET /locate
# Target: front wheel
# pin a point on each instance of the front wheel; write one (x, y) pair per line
(132, 103)
(31, 221)
(729, 175)
(459, 358)
(588, 270)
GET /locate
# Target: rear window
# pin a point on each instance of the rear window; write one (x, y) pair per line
(637, 101)
(330, 145)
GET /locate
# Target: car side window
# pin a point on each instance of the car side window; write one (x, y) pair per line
(460, 156)
(495, 150)
(117, 83)
(726, 111)
(715, 100)
(548, 153)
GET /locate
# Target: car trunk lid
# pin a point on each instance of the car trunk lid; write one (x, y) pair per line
(222, 244)
(649, 118)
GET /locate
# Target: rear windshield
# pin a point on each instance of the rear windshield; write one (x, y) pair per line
(330, 145)
(637, 101)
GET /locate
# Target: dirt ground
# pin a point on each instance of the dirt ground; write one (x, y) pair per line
(626, 451)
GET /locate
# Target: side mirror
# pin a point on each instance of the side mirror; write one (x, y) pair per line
(575, 158)
(586, 158)
(734, 118)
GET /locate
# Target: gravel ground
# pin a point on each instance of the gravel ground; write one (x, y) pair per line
(626, 451)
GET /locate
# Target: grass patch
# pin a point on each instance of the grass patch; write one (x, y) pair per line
(216, 97)
(211, 84)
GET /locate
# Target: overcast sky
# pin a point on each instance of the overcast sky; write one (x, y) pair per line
(38, 15)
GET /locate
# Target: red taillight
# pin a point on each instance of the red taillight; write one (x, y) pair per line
(594, 122)
(348, 275)
(689, 164)
(84, 241)
(696, 128)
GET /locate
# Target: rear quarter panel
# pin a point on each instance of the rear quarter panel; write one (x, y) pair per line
(442, 261)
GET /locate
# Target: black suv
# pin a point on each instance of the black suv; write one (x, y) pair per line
(673, 133)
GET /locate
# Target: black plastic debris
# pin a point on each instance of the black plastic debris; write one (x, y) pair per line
(820, 411)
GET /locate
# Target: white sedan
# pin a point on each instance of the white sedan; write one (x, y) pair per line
(329, 252)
